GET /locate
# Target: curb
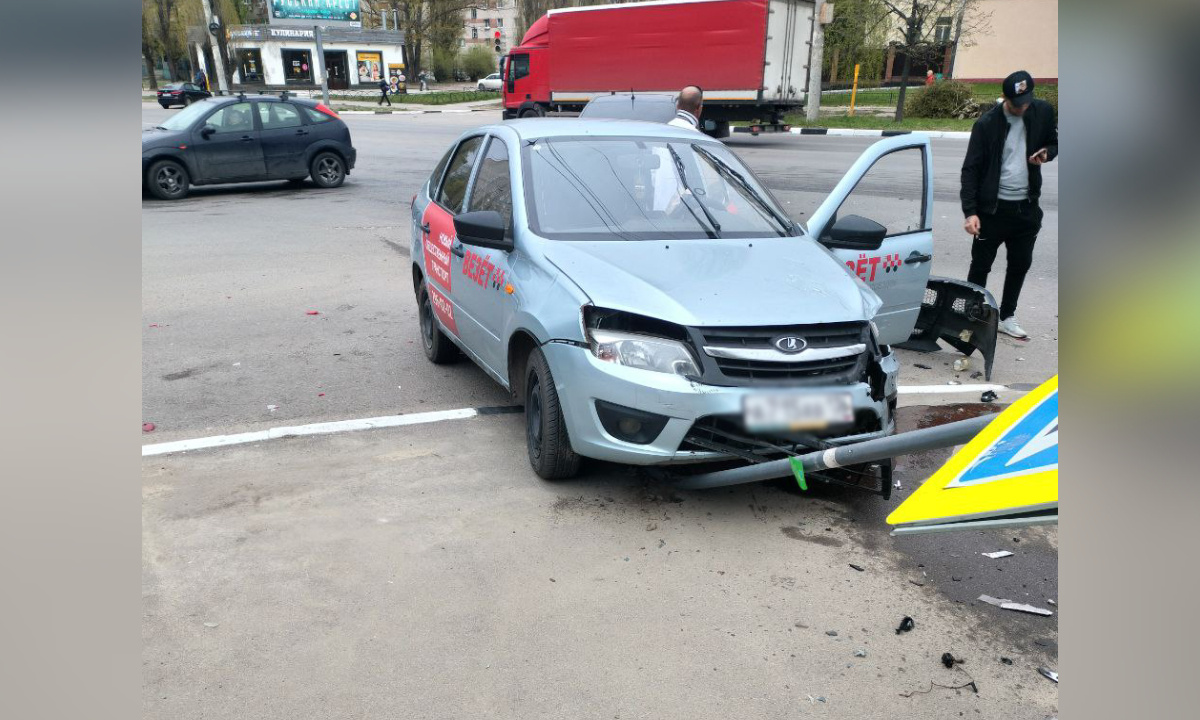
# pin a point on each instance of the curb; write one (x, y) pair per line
(855, 132)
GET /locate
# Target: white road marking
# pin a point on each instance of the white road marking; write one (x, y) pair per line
(340, 426)
(947, 389)
(325, 428)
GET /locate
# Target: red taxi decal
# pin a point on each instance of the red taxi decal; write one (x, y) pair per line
(443, 309)
(482, 270)
(866, 267)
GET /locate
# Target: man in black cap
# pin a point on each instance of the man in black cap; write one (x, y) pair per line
(1001, 183)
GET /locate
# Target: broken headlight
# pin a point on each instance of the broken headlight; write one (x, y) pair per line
(644, 352)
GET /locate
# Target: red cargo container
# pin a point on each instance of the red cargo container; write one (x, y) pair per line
(749, 56)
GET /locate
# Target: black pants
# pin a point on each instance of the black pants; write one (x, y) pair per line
(1014, 225)
(383, 97)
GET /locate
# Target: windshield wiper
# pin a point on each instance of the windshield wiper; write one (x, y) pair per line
(740, 180)
(715, 230)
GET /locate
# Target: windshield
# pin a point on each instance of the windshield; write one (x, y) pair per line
(184, 119)
(587, 188)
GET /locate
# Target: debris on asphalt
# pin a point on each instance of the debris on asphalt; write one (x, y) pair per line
(1022, 607)
(953, 382)
(859, 568)
(831, 633)
(272, 408)
(988, 396)
(211, 624)
(923, 367)
(1052, 602)
(997, 554)
(148, 427)
(971, 684)
(993, 601)
(1020, 359)
(977, 375)
(949, 660)
(553, 580)
(312, 312)
(905, 625)
(918, 583)
(1048, 673)
(651, 526)
(1006, 661)
(320, 394)
(860, 653)
(961, 364)
(819, 698)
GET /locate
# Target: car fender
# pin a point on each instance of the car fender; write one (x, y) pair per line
(171, 153)
(323, 145)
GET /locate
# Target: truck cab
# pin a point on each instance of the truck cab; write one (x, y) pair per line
(526, 76)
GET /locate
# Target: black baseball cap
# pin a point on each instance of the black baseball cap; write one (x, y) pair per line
(1018, 88)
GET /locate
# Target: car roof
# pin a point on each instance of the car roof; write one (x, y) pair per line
(536, 128)
(220, 99)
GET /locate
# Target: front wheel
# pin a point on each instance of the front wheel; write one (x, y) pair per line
(328, 170)
(550, 452)
(167, 180)
(165, 106)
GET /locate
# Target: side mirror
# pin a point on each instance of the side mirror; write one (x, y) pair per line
(483, 228)
(854, 232)
(207, 130)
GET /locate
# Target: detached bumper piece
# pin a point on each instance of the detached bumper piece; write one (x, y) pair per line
(960, 313)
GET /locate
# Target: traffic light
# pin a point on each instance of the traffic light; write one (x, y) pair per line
(497, 41)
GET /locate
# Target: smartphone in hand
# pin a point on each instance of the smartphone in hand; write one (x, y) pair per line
(1038, 157)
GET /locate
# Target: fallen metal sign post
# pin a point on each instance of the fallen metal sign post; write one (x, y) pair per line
(940, 436)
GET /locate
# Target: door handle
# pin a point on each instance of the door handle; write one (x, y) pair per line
(916, 257)
(246, 138)
(457, 249)
(301, 132)
(425, 228)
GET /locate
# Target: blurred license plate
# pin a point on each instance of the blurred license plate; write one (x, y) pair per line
(796, 412)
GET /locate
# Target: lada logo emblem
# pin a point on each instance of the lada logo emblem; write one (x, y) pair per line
(790, 344)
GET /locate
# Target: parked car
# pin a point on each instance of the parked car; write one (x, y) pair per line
(181, 94)
(491, 82)
(648, 107)
(244, 139)
(649, 302)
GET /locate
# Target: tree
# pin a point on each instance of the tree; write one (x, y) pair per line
(151, 47)
(920, 35)
(479, 61)
(858, 35)
(424, 22)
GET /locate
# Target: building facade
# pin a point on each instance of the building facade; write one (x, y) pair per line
(483, 21)
(274, 57)
(1023, 36)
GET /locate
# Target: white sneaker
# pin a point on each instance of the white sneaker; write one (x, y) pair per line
(1012, 327)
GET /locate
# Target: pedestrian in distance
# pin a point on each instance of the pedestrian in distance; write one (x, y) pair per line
(1001, 184)
(383, 92)
(929, 78)
(688, 107)
(200, 80)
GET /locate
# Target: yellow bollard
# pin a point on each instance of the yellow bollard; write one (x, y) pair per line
(854, 90)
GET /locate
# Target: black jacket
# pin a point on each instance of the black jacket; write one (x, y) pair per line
(981, 166)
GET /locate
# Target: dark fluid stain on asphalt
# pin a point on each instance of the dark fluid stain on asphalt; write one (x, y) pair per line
(181, 374)
(796, 533)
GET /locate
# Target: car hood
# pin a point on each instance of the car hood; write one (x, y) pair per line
(770, 281)
(156, 137)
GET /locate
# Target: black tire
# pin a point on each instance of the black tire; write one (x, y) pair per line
(438, 347)
(328, 170)
(165, 106)
(187, 101)
(530, 113)
(479, 87)
(167, 180)
(550, 452)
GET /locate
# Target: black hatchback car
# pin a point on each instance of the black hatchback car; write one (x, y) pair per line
(246, 139)
(181, 94)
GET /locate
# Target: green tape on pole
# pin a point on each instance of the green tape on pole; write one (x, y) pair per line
(798, 470)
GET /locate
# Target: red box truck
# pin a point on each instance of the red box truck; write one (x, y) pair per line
(749, 56)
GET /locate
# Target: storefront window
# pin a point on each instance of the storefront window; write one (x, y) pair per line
(297, 66)
(250, 65)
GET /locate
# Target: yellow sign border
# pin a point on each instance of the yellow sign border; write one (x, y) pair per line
(934, 503)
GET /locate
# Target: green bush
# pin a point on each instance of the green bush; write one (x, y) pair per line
(480, 61)
(945, 99)
(1049, 93)
(444, 62)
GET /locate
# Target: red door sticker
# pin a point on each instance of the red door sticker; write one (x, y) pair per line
(437, 244)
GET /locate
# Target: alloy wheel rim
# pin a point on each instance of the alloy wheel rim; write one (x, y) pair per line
(329, 170)
(168, 179)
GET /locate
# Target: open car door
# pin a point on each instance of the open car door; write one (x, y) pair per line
(879, 222)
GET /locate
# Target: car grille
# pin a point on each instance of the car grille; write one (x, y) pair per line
(726, 434)
(747, 371)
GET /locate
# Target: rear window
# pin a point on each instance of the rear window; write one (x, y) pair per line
(278, 115)
(316, 116)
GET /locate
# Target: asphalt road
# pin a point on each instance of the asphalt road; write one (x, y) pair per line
(426, 572)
